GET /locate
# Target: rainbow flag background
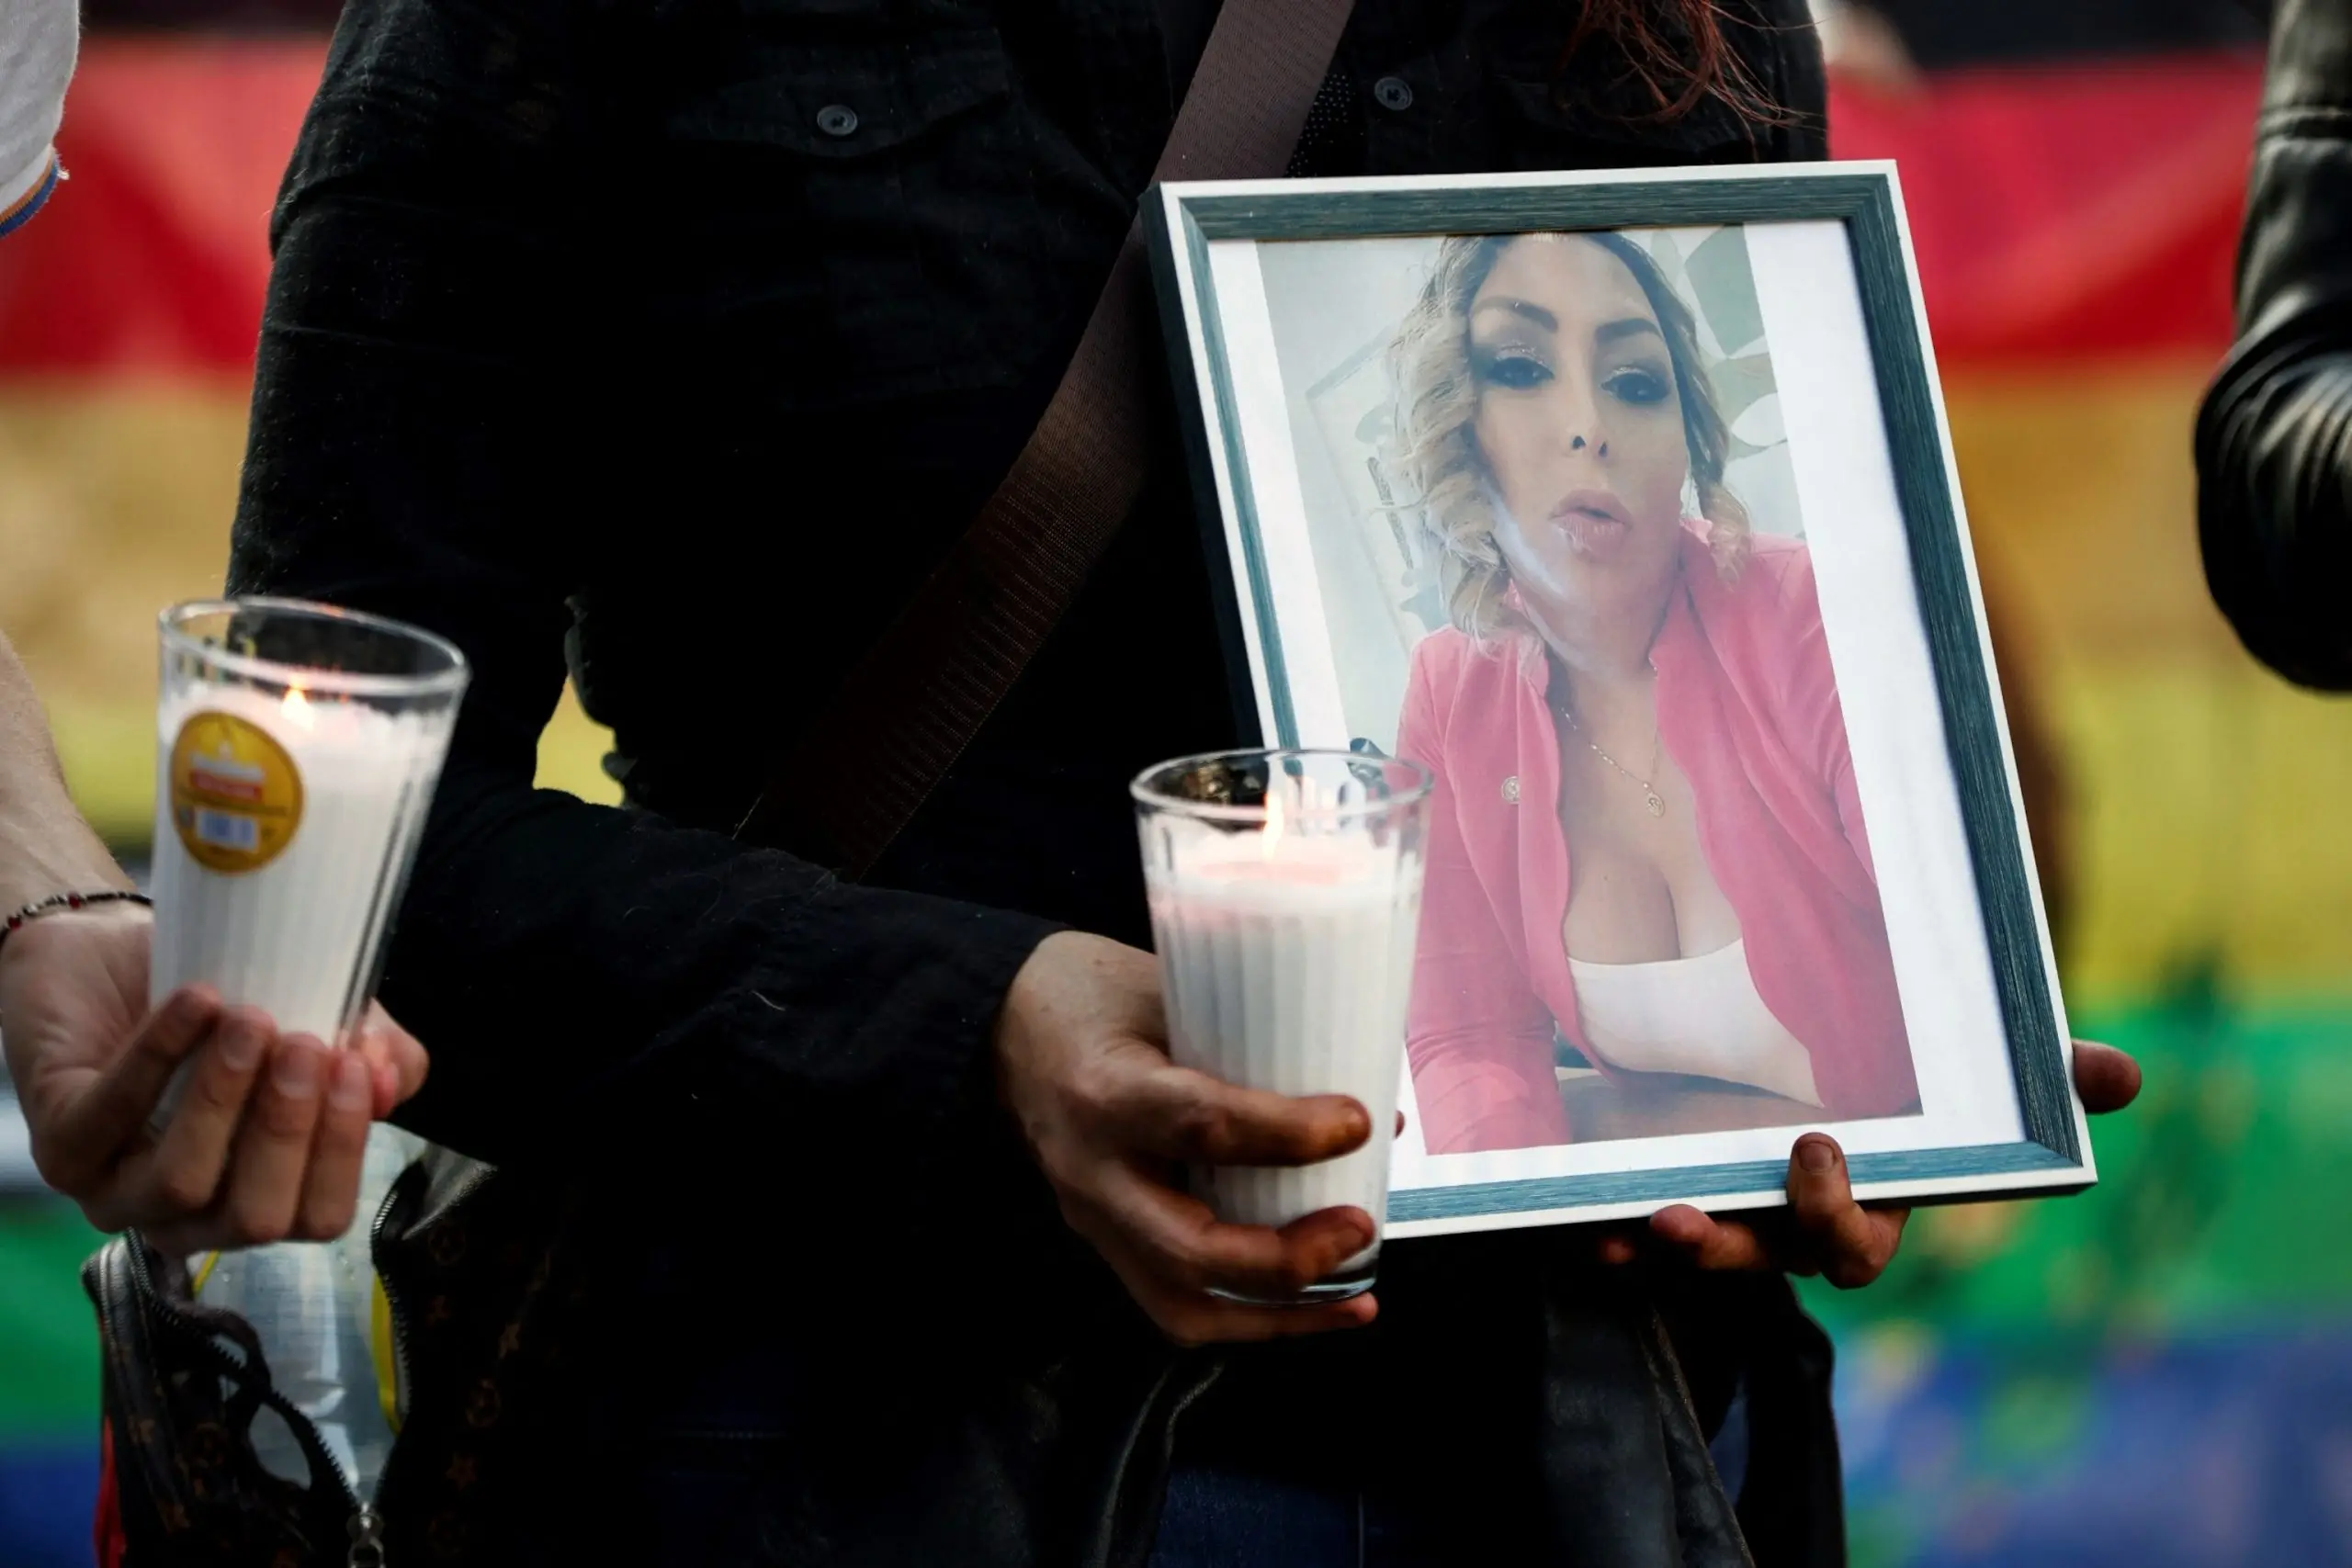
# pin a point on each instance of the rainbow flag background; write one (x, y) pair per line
(2157, 1375)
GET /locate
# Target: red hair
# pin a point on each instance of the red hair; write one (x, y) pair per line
(1674, 54)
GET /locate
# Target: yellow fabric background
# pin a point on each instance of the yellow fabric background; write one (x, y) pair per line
(2205, 793)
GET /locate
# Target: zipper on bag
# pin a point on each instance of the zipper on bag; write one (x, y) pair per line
(306, 1434)
(366, 1539)
(364, 1526)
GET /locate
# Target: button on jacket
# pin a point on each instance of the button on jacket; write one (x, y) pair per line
(667, 344)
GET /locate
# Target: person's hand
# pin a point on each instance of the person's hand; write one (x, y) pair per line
(266, 1141)
(1823, 1231)
(1082, 1063)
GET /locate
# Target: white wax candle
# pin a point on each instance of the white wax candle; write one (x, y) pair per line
(282, 829)
(1288, 961)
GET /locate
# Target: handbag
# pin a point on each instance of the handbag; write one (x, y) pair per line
(180, 1385)
(183, 1382)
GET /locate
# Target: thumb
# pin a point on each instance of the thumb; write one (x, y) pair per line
(397, 1062)
(1853, 1246)
(2107, 1079)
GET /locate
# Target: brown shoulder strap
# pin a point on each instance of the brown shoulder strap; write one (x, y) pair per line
(859, 773)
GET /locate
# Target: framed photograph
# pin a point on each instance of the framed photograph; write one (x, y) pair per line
(1625, 503)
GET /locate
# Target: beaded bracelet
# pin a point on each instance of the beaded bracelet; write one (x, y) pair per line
(67, 902)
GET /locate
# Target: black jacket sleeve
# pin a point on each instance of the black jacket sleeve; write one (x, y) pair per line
(575, 970)
(2274, 439)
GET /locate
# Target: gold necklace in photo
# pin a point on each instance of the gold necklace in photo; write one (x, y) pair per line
(1650, 796)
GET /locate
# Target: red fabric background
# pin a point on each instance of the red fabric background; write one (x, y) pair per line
(2056, 213)
(153, 256)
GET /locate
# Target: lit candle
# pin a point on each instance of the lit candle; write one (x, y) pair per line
(1286, 956)
(290, 795)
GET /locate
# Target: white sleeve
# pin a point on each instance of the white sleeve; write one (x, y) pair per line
(38, 39)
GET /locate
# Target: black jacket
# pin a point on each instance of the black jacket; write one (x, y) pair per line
(2274, 439)
(598, 344)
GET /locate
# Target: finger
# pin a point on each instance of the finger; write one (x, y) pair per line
(397, 1061)
(1173, 1114)
(2107, 1079)
(1852, 1245)
(97, 1130)
(1180, 1239)
(1708, 1242)
(331, 1188)
(264, 1188)
(183, 1172)
(1616, 1244)
(1400, 1124)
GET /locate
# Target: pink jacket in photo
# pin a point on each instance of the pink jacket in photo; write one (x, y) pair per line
(1747, 708)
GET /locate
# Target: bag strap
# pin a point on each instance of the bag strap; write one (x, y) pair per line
(910, 707)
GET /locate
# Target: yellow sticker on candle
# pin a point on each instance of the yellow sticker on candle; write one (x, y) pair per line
(236, 795)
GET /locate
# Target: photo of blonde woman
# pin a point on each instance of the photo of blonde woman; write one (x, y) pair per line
(1648, 846)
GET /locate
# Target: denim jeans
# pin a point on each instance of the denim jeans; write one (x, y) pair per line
(1222, 1519)
(1216, 1517)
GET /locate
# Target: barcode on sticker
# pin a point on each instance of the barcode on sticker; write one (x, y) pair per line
(226, 831)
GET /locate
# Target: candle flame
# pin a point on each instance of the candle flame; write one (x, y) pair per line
(296, 708)
(1271, 840)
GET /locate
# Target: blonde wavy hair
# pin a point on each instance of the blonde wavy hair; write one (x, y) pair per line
(1437, 411)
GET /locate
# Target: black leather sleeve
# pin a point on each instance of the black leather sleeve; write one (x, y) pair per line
(2274, 439)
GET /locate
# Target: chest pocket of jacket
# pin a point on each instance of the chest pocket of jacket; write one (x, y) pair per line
(855, 200)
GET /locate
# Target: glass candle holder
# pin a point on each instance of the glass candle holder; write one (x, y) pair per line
(1285, 892)
(297, 748)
